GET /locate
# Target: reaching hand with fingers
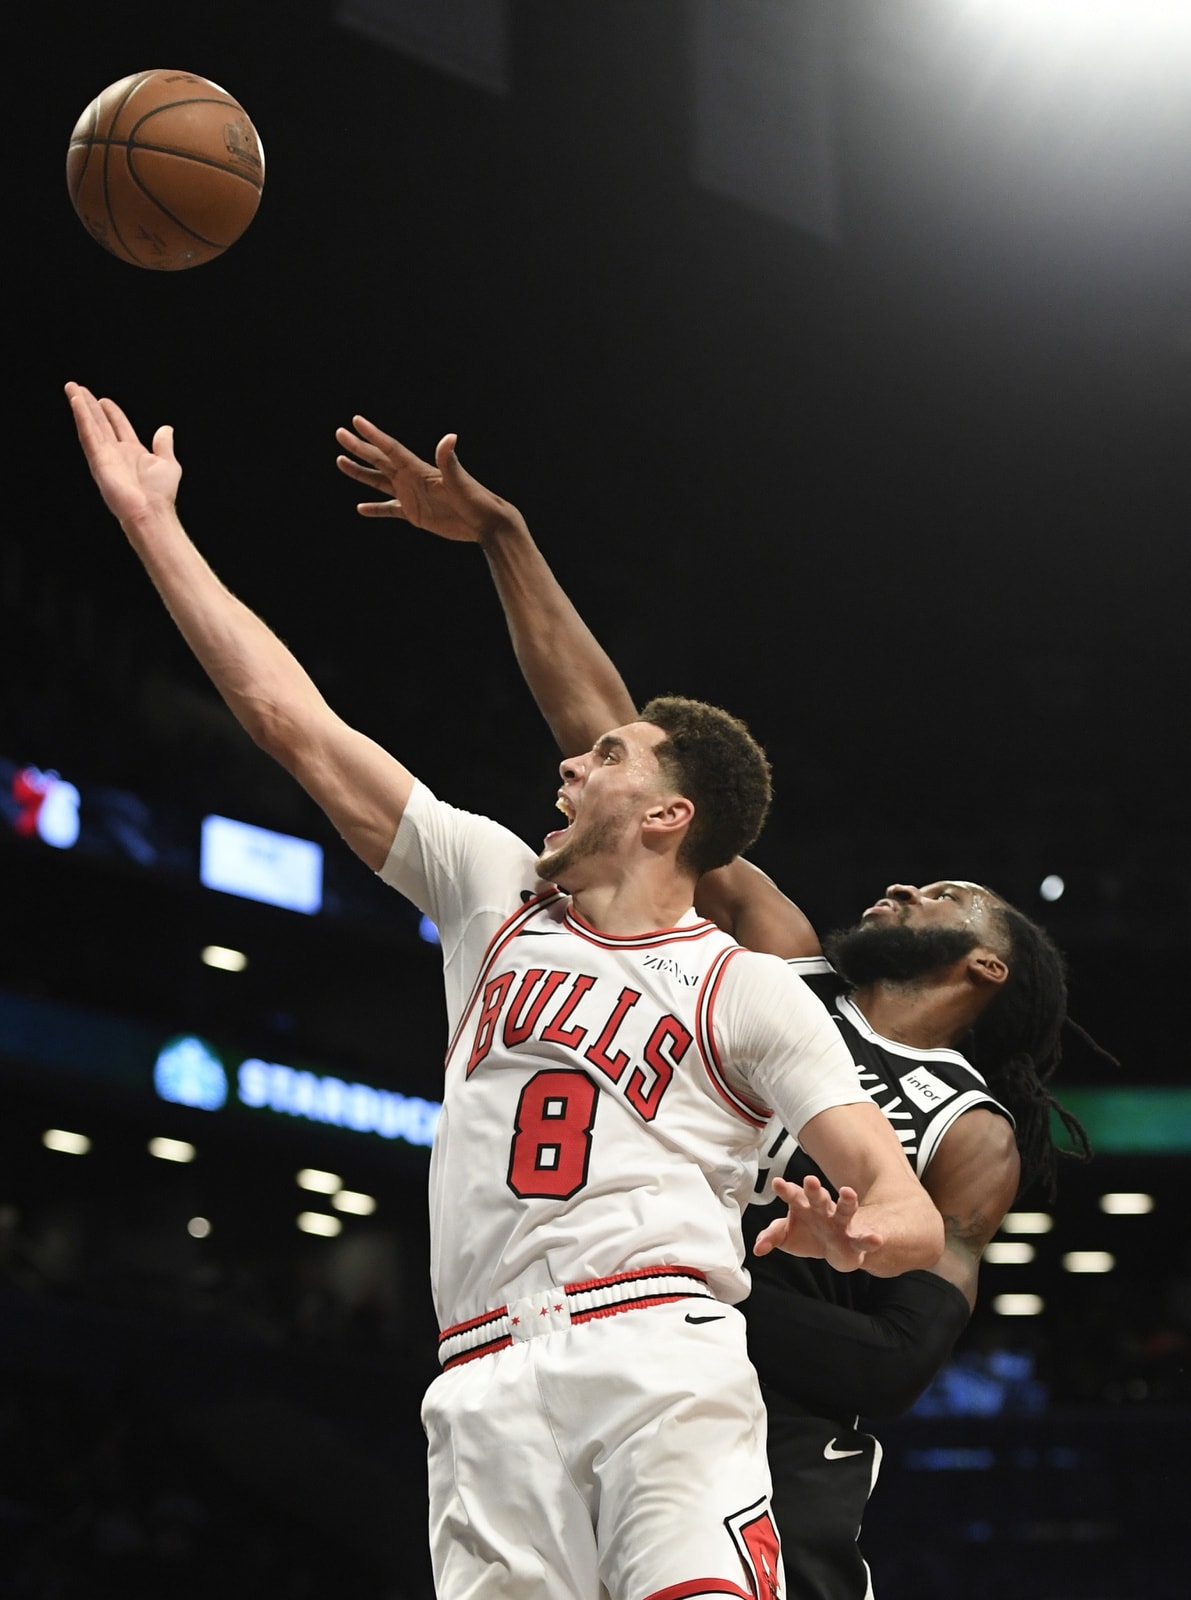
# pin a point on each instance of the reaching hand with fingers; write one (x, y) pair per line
(443, 498)
(816, 1225)
(134, 479)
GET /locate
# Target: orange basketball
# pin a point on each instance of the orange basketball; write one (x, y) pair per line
(165, 169)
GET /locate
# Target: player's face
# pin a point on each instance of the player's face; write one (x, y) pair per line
(950, 903)
(604, 796)
(910, 932)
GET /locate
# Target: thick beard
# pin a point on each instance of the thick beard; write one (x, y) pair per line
(876, 952)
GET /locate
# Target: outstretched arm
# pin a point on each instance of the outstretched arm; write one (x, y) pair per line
(570, 675)
(577, 688)
(876, 1360)
(883, 1219)
(362, 789)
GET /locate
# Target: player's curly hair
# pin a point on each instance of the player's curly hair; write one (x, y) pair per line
(1016, 1045)
(711, 758)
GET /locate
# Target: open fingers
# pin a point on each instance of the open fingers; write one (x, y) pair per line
(361, 473)
(120, 425)
(382, 446)
(81, 393)
(770, 1238)
(371, 479)
(793, 1193)
(357, 446)
(370, 431)
(848, 1203)
(809, 1185)
(79, 396)
(783, 1186)
(380, 508)
(810, 1195)
(92, 425)
(87, 428)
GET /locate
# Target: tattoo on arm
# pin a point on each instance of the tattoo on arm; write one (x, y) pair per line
(972, 1232)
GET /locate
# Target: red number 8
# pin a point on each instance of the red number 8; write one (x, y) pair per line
(552, 1145)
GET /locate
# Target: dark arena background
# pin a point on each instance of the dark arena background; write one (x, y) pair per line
(839, 355)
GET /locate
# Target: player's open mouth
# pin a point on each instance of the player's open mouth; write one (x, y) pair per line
(564, 805)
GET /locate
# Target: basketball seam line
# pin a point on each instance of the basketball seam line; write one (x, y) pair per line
(107, 199)
(170, 150)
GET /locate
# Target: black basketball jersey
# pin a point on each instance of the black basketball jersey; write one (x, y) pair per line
(922, 1092)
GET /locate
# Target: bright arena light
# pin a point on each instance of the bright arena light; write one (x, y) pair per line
(1018, 1305)
(1091, 22)
(361, 1205)
(1088, 1261)
(1007, 1253)
(70, 1144)
(1126, 1205)
(318, 1182)
(1099, 46)
(171, 1149)
(319, 1222)
(198, 1228)
(1051, 887)
(1027, 1222)
(218, 955)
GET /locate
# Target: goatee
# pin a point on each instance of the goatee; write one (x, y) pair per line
(892, 953)
(580, 843)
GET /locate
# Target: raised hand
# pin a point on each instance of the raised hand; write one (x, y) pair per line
(816, 1225)
(132, 477)
(443, 499)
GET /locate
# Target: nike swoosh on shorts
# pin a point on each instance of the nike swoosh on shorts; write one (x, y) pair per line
(830, 1453)
(689, 1318)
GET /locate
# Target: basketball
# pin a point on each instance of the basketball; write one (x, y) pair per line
(165, 170)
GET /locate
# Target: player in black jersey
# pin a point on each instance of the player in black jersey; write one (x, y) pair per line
(951, 1001)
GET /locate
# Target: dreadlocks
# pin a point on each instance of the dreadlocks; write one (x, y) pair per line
(1017, 1044)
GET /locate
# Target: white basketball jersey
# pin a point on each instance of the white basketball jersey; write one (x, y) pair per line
(605, 1096)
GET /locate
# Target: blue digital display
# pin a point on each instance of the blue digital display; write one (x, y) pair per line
(258, 864)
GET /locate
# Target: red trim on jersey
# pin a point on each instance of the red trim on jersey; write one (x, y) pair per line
(480, 1350)
(498, 1320)
(476, 1322)
(704, 1004)
(508, 929)
(751, 1111)
(695, 1588)
(637, 941)
(641, 1276)
(644, 1275)
(641, 1304)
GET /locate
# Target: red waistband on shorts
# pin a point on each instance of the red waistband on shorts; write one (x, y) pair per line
(574, 1302)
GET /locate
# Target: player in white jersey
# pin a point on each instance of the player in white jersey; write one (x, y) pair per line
(595, 1065)
(598, 1429)
(947, 965)
(605, 1145)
